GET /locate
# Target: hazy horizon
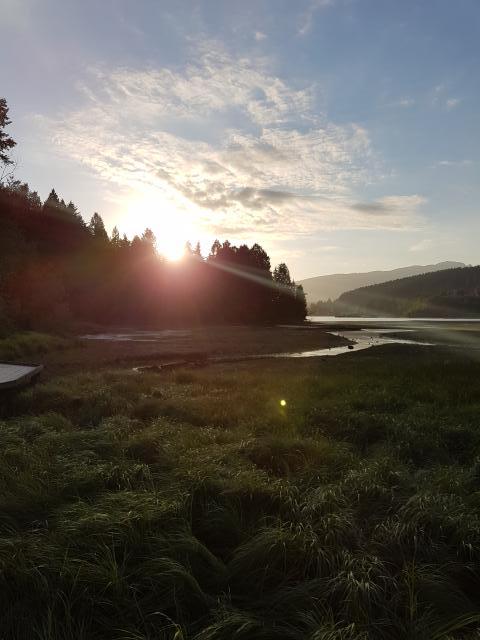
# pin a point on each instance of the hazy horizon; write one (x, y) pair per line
(339, 134)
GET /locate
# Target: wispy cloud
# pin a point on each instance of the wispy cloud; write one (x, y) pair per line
(452, 163)
(259, 36)
(307, 17)
(422, 245)
(451, 103)
(406, 102)
(440, 98)
(231, 143)
(400, 211)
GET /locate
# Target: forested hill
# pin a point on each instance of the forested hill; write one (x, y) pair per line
(330, 287)
(449, 293)
(56, 270)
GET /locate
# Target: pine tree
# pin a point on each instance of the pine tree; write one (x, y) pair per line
(148, 238)
(281, 275)
(74, 212)
(6, 142)
(216, 246)
(97, 228)
(301, 302)
(115, 239)
(53, 201)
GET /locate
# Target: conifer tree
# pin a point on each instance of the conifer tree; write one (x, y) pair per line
(115, 239)
(97, 228)
(52, 201)
(6, 142)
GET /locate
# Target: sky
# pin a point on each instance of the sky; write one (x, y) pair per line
(342, 135)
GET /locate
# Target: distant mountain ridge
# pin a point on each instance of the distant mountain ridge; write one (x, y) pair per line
(445, 293)
(334, 285)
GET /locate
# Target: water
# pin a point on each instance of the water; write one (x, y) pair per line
(139, 336)
(439, 329)
(358, 320)
(363, 339)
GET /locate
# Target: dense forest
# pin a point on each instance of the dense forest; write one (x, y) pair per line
(330, 287)
(56, 269)
(448, 293)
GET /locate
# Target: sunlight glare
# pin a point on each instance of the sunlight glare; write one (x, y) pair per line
(173, 251)
(171, 226)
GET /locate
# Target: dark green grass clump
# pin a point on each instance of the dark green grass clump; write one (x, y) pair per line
(29, 344)
(192, 505)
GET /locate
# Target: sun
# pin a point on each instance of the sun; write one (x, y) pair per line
(172, 226)
(171, 247)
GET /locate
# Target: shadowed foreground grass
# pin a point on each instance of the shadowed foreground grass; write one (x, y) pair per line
(190, 504)
(30, 343)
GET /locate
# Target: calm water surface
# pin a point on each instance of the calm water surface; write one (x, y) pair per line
(361, 321)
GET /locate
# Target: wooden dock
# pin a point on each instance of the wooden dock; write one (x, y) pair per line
(17, 375)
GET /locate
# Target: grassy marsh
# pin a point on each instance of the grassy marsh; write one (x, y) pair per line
(191, 504)
(30, 344)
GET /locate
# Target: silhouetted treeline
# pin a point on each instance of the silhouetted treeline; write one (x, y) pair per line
(447, 293)
(55, 268)
(322, 308)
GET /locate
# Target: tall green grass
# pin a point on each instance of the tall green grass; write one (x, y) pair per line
(192, 505)
(29, 343)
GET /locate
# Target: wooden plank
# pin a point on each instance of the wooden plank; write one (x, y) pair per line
(17, 375)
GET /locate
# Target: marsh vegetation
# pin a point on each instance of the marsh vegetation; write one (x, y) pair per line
(192, 504)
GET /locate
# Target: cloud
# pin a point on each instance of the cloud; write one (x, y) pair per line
(307, 17)
(451, 103)
(406, 102)
(439, 98)
(215, 84)
(423, 245)
(453, 163)
(372, 208)
(230, 143)
(259, 36)
(397, 211)
(400, 103)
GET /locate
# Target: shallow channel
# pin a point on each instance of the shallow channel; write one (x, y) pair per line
(361, 339)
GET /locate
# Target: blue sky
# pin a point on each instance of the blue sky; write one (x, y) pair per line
(343, 135)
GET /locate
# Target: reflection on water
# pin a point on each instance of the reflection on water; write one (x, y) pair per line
(139, 336)
(363, 339)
